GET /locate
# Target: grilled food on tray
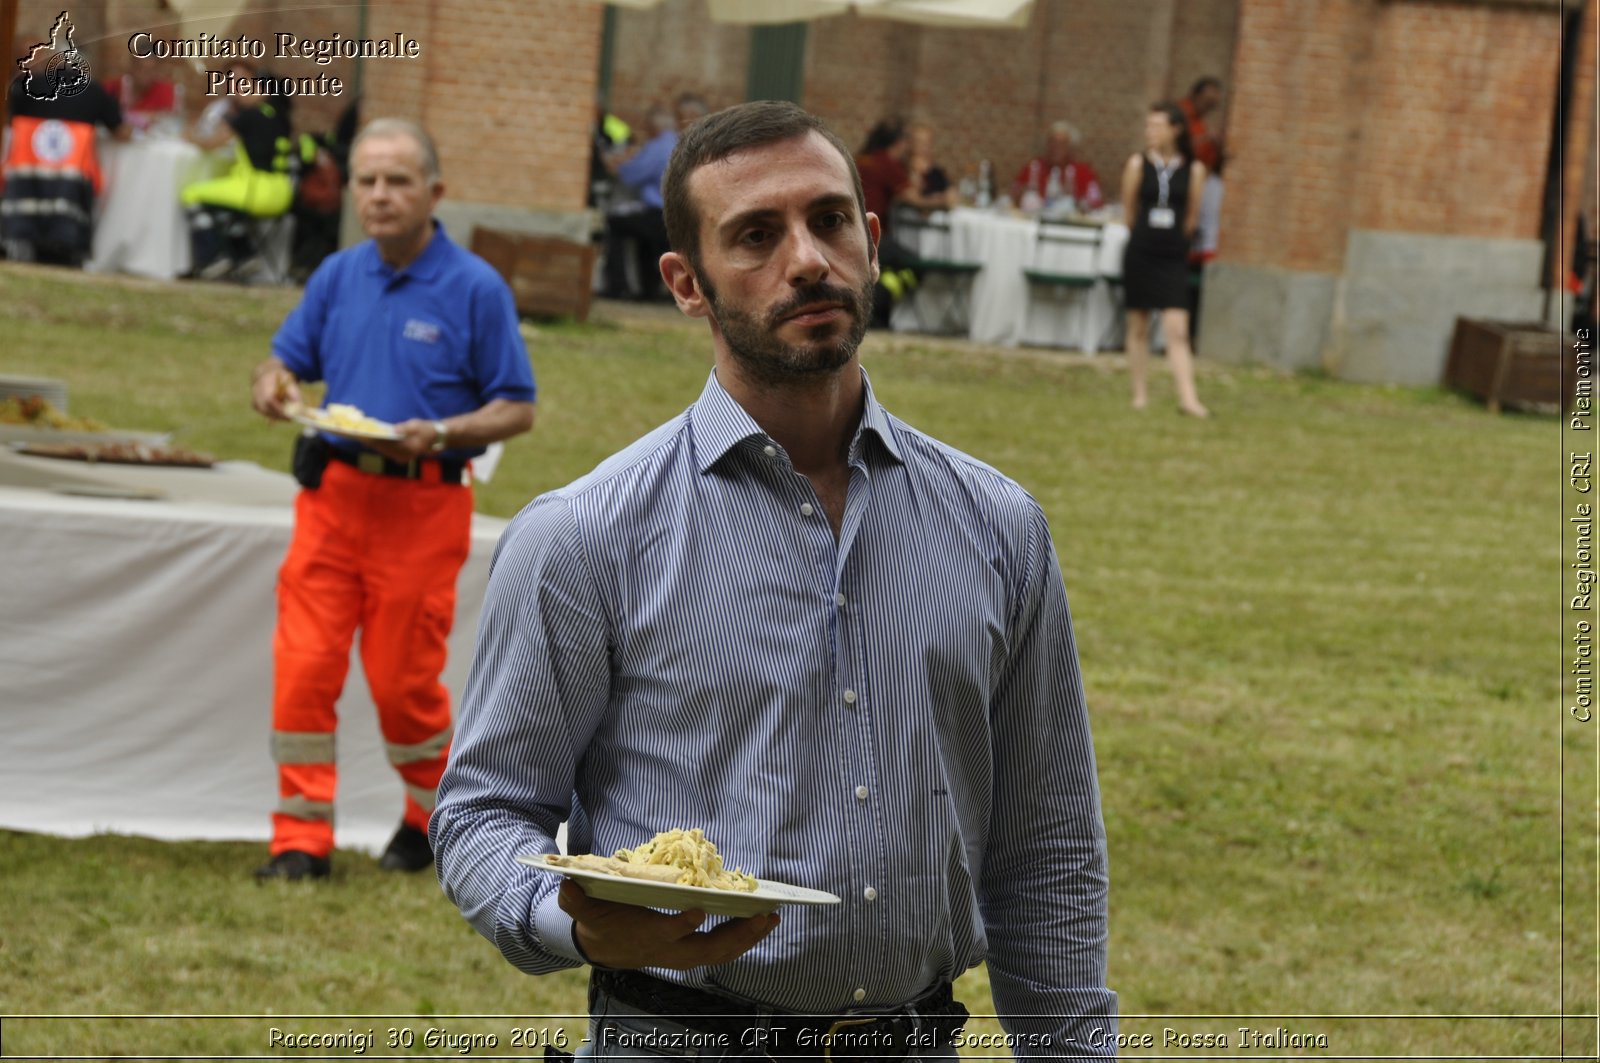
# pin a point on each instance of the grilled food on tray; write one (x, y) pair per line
(121, 452)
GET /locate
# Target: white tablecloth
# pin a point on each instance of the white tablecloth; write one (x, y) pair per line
(1005, 310)
(136, 663)
(141, 227)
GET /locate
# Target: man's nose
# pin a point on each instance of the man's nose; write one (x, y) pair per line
(807, 264)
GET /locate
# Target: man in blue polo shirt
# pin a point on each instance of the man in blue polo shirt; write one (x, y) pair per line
(412, 329)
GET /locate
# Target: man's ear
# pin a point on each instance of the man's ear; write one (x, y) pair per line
(683, 284)
(874, 234)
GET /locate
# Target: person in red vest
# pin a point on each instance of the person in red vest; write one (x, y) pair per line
(1204, 97)
(52, 173)
(144, 94)
(1073, 175)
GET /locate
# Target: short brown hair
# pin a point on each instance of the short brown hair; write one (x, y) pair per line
(717, 136)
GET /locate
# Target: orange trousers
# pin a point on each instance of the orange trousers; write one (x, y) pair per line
(380, 554)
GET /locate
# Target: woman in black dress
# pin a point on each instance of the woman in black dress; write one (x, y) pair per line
(1161, 202)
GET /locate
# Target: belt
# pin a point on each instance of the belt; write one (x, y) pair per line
(931, 1021)
(440, 470)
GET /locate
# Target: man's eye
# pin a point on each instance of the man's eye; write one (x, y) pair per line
(754, 237)
(832, 220)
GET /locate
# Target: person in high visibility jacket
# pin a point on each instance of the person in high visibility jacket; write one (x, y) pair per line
(413, 329)
(259, 184)
(51, 170)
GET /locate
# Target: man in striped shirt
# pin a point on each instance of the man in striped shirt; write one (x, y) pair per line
(838, 646)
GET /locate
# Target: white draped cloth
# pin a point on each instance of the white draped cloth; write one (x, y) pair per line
(1004, 310)
(140, 227)
(136, 663)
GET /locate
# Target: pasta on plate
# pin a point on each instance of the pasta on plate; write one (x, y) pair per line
(680, 857)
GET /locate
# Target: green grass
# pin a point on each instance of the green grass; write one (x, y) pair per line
(1318, 634)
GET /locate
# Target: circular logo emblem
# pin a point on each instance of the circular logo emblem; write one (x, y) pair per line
(52, 141)
(67, 73)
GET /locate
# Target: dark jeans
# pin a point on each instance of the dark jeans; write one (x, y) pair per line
(647, 229)
(218, 232)
(891, 256)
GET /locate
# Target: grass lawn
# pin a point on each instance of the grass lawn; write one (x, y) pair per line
(1320, 638)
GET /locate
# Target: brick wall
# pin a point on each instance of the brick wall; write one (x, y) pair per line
(860, 71)
(659, 53)
(507, 88)
(1580, 183)
(1401, 116)
(1456, 127)
(1294, 136)
(1203, 33)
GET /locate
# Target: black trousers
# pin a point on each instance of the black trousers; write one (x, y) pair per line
(647, 229)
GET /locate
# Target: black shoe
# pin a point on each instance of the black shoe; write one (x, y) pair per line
(408, 850)
(215, 270)
(293, 865)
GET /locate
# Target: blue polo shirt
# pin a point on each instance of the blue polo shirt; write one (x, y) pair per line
(435, 339)
(644, 171)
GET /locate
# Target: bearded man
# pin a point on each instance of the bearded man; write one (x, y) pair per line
(836, 645)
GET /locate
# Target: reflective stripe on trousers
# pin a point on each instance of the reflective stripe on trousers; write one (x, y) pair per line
(382, 555)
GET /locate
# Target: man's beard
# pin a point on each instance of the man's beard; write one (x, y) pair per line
(773, 362)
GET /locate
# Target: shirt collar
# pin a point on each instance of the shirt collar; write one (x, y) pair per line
(424, 267)
(718, 424)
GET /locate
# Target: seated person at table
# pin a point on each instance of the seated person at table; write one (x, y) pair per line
(144, 94)
(259, 184)
(1073, 176)
(640, 221)
(927, 175)
(885, 184)
(51, 170)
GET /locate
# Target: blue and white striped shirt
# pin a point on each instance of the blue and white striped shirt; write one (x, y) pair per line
(678, 640)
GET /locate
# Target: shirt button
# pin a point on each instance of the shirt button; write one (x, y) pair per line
(839, 599)
(870, 894)
(770, 451)
(860, 994)
(861, 793)
(849, 697)
(806, 510)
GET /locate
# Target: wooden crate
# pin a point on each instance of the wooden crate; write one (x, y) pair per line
(549, 277)
(1519, 364)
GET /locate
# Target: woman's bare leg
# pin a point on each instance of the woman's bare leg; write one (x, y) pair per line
(1138, 344)
(1175, 330)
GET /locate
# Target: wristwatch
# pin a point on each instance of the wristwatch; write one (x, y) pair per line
(441, 437)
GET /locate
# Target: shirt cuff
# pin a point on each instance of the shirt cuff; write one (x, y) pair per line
(556, 930)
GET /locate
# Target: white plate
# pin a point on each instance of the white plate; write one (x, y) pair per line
(318, 419)
(673, 898)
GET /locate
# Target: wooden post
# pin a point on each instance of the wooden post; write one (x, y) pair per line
(8, 46)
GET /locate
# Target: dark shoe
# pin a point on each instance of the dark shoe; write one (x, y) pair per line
(408, 850)
(293, 865)
(215, 270)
